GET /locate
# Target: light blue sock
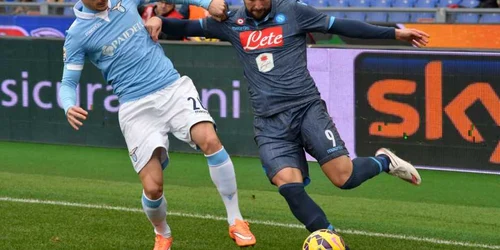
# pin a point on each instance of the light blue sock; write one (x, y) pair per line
(156, 211)
(223, 176)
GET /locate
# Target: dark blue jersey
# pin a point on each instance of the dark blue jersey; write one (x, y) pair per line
(273, 53)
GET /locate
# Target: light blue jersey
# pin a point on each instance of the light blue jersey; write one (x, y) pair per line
(117, 43)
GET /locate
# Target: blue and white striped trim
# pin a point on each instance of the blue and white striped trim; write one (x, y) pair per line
(217, 158)
(151, 203)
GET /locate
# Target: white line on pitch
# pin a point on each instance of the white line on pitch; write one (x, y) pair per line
(269, 223)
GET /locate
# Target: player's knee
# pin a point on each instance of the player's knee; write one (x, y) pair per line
(210, 145)
(344, 173)
(153, 191)
(286, 176)
(205, 137)
(338, 170)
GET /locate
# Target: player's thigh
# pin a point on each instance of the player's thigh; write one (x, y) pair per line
(277, 152)
(141, 129)
(184, 110)
(319, 134)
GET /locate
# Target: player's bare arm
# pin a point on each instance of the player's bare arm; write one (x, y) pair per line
(174, 27)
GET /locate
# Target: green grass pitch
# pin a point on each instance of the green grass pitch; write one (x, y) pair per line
(70, 197)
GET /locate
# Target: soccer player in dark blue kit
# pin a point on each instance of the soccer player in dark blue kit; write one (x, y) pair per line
(290, 116)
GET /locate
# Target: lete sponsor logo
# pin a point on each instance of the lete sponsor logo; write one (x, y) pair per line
(261, 39)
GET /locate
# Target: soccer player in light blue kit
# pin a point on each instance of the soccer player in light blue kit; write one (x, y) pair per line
(154, 100)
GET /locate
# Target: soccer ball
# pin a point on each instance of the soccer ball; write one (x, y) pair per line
(324, 239)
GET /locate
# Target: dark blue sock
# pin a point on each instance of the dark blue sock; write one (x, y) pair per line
(385, 161)
(304, 208)
(364, 168)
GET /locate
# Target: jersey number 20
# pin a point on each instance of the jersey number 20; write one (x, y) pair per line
(196, 102)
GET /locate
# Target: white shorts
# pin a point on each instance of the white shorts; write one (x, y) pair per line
(145, 122)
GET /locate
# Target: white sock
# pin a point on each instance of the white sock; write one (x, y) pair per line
(156, 211)
(222, 173)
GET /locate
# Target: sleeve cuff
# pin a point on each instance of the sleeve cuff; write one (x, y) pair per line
(66, 109)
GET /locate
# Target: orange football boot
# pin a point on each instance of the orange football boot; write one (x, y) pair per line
(240, 233)
(162, 243)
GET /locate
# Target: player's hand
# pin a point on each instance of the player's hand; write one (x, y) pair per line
(416, 37)
(75, 116)
(217, 10)
(153, 26)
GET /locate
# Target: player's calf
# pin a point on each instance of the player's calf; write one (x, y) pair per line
(304, 208)
(347, 174)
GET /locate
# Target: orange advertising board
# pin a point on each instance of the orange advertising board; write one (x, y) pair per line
(473, 36)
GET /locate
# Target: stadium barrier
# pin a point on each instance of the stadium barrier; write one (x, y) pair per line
(438, 109)
(440, 14)
(471, 36)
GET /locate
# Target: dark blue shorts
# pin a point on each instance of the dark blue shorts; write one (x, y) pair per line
(283, 137)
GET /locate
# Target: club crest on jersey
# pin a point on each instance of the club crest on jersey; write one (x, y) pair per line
(240, 21)
(280, 18)
(108, 50)
(119, 7)
(261, 39)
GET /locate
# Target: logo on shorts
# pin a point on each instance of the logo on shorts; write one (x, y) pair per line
(333, 150)
(133, 155)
